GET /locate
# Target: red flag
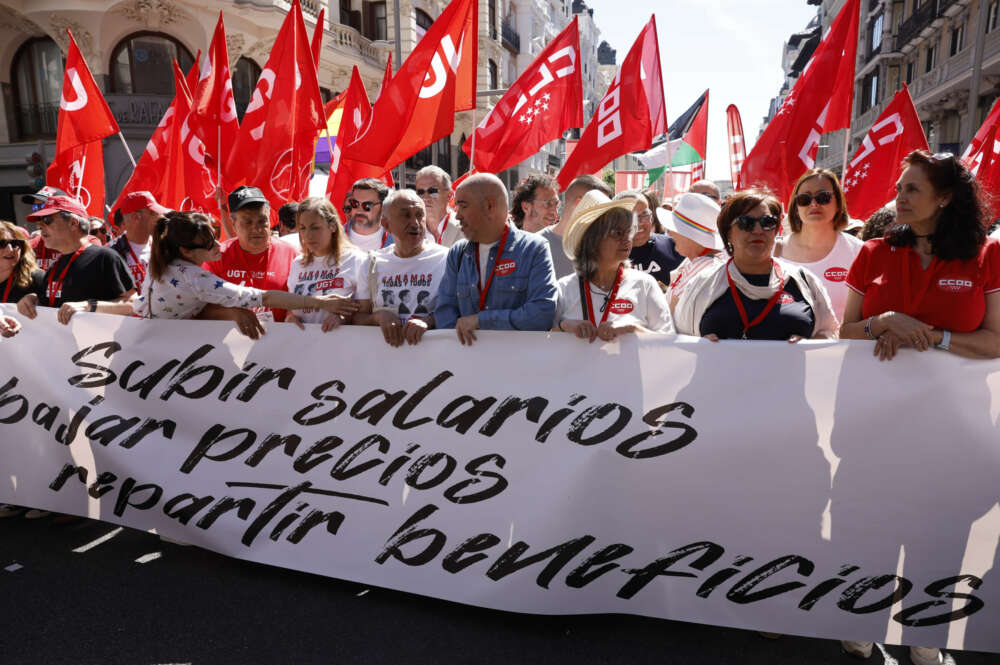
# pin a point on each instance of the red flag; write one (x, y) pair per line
(870, 179)
(982, 157)
(213, 103)
(317, 39)
(276, 141)
(819, 102)
(84, 119)
(737, 146)
(344, 171)
(631, 113)
(173, 166)
(418, 105)
(545, 101)
(386, 77)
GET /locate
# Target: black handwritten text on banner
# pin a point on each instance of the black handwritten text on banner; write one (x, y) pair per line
(804, 489)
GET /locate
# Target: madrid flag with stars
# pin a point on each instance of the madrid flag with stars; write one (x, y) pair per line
(870, 179)
(543, 103)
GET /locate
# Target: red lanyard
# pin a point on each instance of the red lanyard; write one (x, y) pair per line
(910, 306)
(58, 286)
(747, 325)
(591, 314)
(138, 263)
(6, 291)
(385, 237)
(489, 280)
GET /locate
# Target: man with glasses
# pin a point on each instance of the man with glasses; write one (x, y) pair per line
(84, 273)
(434, 189)
(252, 258)
(536, 203)
(554, 234)
(363, 210)
(653, 253)
(46, 256)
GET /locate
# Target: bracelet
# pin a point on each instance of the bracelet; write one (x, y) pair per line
(868, 328)
(945, 344)
(560, 325)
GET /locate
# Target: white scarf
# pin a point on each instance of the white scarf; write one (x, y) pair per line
(706, 287)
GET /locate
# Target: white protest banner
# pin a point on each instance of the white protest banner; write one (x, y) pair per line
(803, 489)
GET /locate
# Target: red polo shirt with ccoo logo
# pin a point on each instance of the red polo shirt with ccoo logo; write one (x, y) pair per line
(947, 295)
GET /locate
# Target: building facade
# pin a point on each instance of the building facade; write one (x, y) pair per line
(129, 45)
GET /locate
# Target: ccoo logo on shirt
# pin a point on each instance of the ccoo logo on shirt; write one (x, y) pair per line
(506, 267)
(955, 285)
(621, 306)
(835, 274)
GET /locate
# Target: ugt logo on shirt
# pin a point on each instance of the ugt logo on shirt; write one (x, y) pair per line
(835, 274)
(506, 267)
(955, 285)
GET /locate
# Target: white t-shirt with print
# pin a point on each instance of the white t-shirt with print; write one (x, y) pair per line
(322, 277)
(184, 289)
(639, 301)
(409, 286)
(832, 270)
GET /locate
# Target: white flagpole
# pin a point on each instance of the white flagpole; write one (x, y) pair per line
(83, 170)
(472, 151)
(218, 156)
(127, 151)
(847, 146)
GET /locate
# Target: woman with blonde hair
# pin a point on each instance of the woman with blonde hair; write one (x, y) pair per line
(328, 264)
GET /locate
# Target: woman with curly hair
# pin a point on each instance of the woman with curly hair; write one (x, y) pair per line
(934, 279)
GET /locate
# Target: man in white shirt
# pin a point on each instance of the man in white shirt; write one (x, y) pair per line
(434, 188)
(364, 214)
(390, 282)
(140, 212)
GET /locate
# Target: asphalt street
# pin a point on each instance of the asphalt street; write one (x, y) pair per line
(89, 592)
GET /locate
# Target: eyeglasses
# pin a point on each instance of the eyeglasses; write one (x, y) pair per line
(805, 199)
(35, 207)
(947, 160)
(430, 191)
(47, 220)
(12, 243)
(644, 215)
(547, 203)
(747, 222)
(364, 205)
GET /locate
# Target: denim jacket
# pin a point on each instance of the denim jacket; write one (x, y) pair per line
(525, 299)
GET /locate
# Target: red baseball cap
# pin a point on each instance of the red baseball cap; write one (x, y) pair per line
(56, 204)
(143, 200)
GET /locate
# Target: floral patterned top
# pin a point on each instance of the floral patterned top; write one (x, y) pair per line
(184, 289)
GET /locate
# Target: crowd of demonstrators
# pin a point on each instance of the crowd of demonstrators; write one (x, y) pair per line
(363, 209)
(817, 217)
(398, 286)
(433, 186)
(535, 203)
(554, 233)
(598, 241)
(754, 295)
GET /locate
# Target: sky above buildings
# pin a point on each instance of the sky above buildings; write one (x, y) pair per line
(731, 47)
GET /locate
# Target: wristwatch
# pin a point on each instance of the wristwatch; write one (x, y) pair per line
(945, 343)
(93, 305)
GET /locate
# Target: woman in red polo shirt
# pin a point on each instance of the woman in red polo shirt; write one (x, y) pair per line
(934, 279)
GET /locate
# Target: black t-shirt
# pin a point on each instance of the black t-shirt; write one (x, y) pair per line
(657, 257)
(98, 273)
(18, 292)
(790, 316)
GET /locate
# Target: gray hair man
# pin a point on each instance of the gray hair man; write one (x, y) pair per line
(434, 188)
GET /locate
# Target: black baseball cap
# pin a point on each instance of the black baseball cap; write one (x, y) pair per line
(241, 197)
(42, 195)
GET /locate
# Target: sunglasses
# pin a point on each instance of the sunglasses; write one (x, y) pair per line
(805, 199)
(430, 191)
(35, 207)
(947, 160)
(364, 205)
(13, 244)
(747, 223)
(48, 220)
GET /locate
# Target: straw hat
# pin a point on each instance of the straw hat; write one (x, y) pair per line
(694, 216)
(593, 204)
